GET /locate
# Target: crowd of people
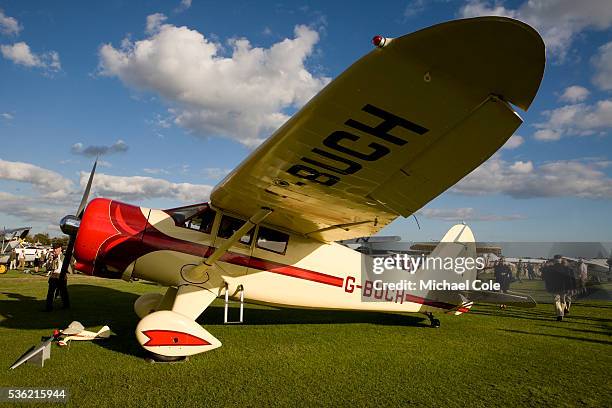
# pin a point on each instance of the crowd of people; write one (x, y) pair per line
(563, 279)
(47, 260)
(44, 259)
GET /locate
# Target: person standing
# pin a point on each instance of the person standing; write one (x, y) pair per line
(530, 271)
(13, 259)
(519, 270)
(559, 281)
(55, 283)
(21, 258)
(37, 256)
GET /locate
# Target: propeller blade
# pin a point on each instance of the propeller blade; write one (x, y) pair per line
(67, 257)
(81, 209)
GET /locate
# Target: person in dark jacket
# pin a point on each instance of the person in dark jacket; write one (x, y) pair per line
(56, 284)
(559, 281)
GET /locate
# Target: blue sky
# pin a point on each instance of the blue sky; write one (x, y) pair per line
(74, 79)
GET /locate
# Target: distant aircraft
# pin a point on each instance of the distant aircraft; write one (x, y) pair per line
(9, 240)
(396, 129)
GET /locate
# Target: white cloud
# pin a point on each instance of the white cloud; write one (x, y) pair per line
(242, 96)
(574, 93)
(413, 8)
(92, 151)
(184, 5)
(575, 120)
(603, 64)
(154, 22)
(514, 142)
(547, 135)
(9, 25)
(20, 54)
(28, 209)
(214, 173)
(49, 183)
(136, 188)
(558, 21)
(521, 167)
(465, 214)
(7, 116)
(573, 178)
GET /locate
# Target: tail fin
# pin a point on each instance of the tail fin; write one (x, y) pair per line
(104, 333)
(448, 263)
(457, 243)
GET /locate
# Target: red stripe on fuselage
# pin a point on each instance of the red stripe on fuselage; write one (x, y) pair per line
(130, 245)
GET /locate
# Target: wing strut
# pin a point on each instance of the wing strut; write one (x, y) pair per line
(257, 218)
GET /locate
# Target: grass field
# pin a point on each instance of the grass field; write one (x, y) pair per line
(285, 357)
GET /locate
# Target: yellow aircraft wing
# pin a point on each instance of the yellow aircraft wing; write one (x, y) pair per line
(400, 126)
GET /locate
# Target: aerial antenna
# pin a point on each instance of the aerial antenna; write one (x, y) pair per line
(417, 221)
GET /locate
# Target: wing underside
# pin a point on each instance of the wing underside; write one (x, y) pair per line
(396, 129)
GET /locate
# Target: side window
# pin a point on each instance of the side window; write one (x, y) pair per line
(229, 225)
(199, 218)
(202, 222)
(272, 240)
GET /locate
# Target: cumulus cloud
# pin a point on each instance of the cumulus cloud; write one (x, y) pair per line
(243, 96)
(7, 116)
(574, 93)
(154, 22)
(465, 214)
(92, 151)
(575, 120)
(136, 188)
(603, 64)
(514, 142)
(573, 178)
(559, 22)
(9, 25)
(48, 182)
(20, 54)
(29, 210)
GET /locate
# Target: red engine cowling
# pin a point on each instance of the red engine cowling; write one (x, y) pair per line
(109, 238)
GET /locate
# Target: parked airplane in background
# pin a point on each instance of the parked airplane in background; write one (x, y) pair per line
(9, 240)
(396, 129)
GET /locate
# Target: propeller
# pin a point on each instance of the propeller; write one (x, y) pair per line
(70, 224)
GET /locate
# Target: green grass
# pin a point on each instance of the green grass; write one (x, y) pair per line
(282, 357)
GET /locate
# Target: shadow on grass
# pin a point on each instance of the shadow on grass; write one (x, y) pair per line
(95, 306)
(606, 342)
(580, 330)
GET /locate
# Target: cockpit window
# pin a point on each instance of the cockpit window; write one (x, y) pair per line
(195, 217)
(229, 225)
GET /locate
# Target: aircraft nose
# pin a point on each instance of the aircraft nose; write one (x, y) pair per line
(70, 224)
(109, 236)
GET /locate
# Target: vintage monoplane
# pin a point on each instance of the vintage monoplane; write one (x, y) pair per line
(9, 240)
(397, 128)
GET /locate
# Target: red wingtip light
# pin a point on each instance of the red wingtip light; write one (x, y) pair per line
(379, 41)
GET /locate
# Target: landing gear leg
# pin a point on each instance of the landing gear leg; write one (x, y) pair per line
(433, 322)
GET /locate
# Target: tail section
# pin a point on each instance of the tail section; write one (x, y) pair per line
(458, 247)
(454, 259)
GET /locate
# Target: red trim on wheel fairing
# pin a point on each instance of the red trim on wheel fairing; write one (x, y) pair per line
(172, 338)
